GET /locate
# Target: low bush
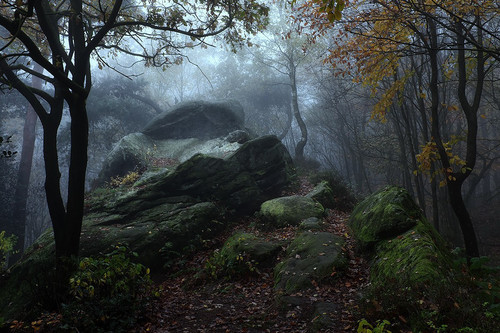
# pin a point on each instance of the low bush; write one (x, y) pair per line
(6, 247)
(107, 293)
(469, 302)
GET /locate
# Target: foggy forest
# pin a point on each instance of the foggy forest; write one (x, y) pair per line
(249, 166)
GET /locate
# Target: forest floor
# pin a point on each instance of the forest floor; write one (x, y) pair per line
(193, 302)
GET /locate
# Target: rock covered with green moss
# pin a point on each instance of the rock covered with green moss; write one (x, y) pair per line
(383, 215)
(241, 254)
(323, 194)
(312, 256)
(290, 210)
(417, 256)
(411, 267)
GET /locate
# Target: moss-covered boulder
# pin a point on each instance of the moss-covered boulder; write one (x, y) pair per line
(159, 235)
(418, 256)
(383, 215)
(312, 256)
(407, 254)
(243, 253)
(291, 210)
(323, 194)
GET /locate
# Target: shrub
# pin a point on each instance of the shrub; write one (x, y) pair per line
(127, 180)
(380, 327)
(6, 247)
(107, 293)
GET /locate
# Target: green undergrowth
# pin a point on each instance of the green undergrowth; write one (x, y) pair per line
(6, 247)
(105, 293)
(466, 299)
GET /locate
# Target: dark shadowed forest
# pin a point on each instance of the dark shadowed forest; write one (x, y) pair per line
(249, 166)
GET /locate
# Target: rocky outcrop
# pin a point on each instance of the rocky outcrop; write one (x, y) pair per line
(171, 212)
(197, 119)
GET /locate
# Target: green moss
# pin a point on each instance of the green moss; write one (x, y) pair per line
(384, 215)
(290, 210)
(323, 194)
(417, 256)
(310, 256)
(241, 254)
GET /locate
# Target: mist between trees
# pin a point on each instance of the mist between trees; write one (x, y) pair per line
(378, 100)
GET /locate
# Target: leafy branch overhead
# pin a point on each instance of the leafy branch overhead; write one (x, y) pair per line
(331, 8)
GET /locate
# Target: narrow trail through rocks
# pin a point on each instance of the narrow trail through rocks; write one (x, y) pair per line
(191, 302)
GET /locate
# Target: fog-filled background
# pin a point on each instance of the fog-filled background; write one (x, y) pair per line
(286, 90)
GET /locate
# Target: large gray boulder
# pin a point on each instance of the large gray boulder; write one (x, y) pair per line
(197, 119)
(210, 128)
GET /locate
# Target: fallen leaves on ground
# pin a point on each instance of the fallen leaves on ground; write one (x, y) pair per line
(190, 304)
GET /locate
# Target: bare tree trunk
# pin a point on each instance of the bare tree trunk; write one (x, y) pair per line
(24, 173)
(299, 148)
(288, 125)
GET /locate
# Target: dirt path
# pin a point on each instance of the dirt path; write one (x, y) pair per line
(190, 304)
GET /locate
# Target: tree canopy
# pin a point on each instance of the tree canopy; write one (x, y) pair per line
(387, 45)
